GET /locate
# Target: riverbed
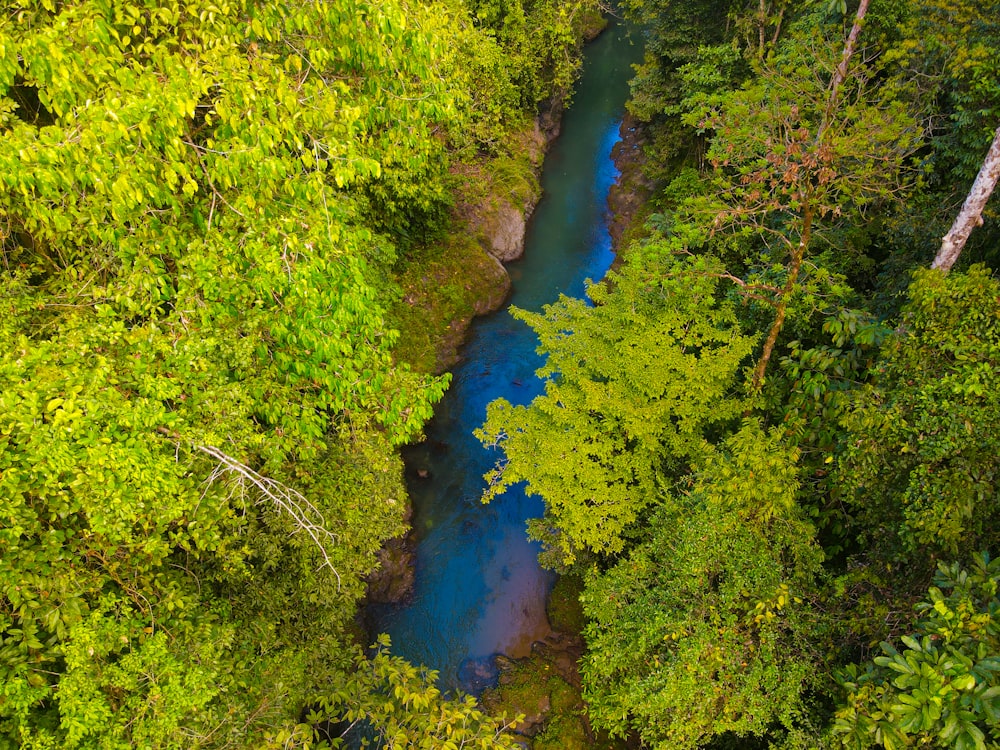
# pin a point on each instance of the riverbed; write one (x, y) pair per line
(479, 590)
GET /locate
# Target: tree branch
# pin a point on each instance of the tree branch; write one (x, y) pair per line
(971, 215)
(288, 500)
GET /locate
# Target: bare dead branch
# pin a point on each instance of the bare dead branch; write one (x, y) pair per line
(971, 215)
(291, 502)
(288, 500)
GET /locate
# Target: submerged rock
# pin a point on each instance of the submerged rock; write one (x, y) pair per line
(392, 582)
(505, 663)
(475, 675)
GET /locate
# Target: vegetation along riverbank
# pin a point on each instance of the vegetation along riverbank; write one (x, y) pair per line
(237, 242)
(216, 217)
(769, 448)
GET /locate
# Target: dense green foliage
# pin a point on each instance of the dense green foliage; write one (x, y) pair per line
(403, 709)
(774, 424)
(703, 629)
(920, 462)
(756, 448)
(202, 208)
(624, 403)
(944, 687)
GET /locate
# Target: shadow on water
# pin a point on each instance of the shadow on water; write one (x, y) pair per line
(479, 589)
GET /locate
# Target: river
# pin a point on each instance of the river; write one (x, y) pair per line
(479, 589)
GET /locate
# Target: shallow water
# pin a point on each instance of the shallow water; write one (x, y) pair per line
(479, 589)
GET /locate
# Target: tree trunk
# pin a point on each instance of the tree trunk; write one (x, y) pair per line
(761, 25)
(971, 215)
(839, 76)
(779, 318)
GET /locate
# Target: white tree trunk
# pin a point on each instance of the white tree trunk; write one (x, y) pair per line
(971, 215)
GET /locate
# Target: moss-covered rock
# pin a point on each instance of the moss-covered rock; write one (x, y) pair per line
(563, 606)
(443, 288)
(498, 195)
(534, 688)
(545, 687)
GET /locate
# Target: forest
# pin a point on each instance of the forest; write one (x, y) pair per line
(768, 445)
(769, 448)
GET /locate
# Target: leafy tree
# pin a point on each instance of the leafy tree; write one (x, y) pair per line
(124, 683)
(633, 386)
(817, 385)
(943, 688)
(943, 57)
(947, 48)
(707, 628)
(920, 461)
(886, 434)
(538, 38)
(674, 34)
(793, 151)
(400, 707)
(198, 403)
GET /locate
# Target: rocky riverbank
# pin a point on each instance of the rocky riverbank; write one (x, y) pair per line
(631, 192)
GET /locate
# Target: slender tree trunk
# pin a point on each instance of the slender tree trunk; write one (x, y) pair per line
(798, 254)
(779, 317)
(762, 18)
(971, 215)
(761, 24)
(777, 26)
(840, 74)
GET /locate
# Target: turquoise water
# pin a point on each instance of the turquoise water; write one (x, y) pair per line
(479, 589)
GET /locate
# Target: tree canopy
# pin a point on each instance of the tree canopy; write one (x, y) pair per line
(767, 443)
(821, 435)
(203, 205)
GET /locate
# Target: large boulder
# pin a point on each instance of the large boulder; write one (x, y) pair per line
(504, 227)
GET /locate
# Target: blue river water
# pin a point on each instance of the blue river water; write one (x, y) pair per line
(479, 589)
